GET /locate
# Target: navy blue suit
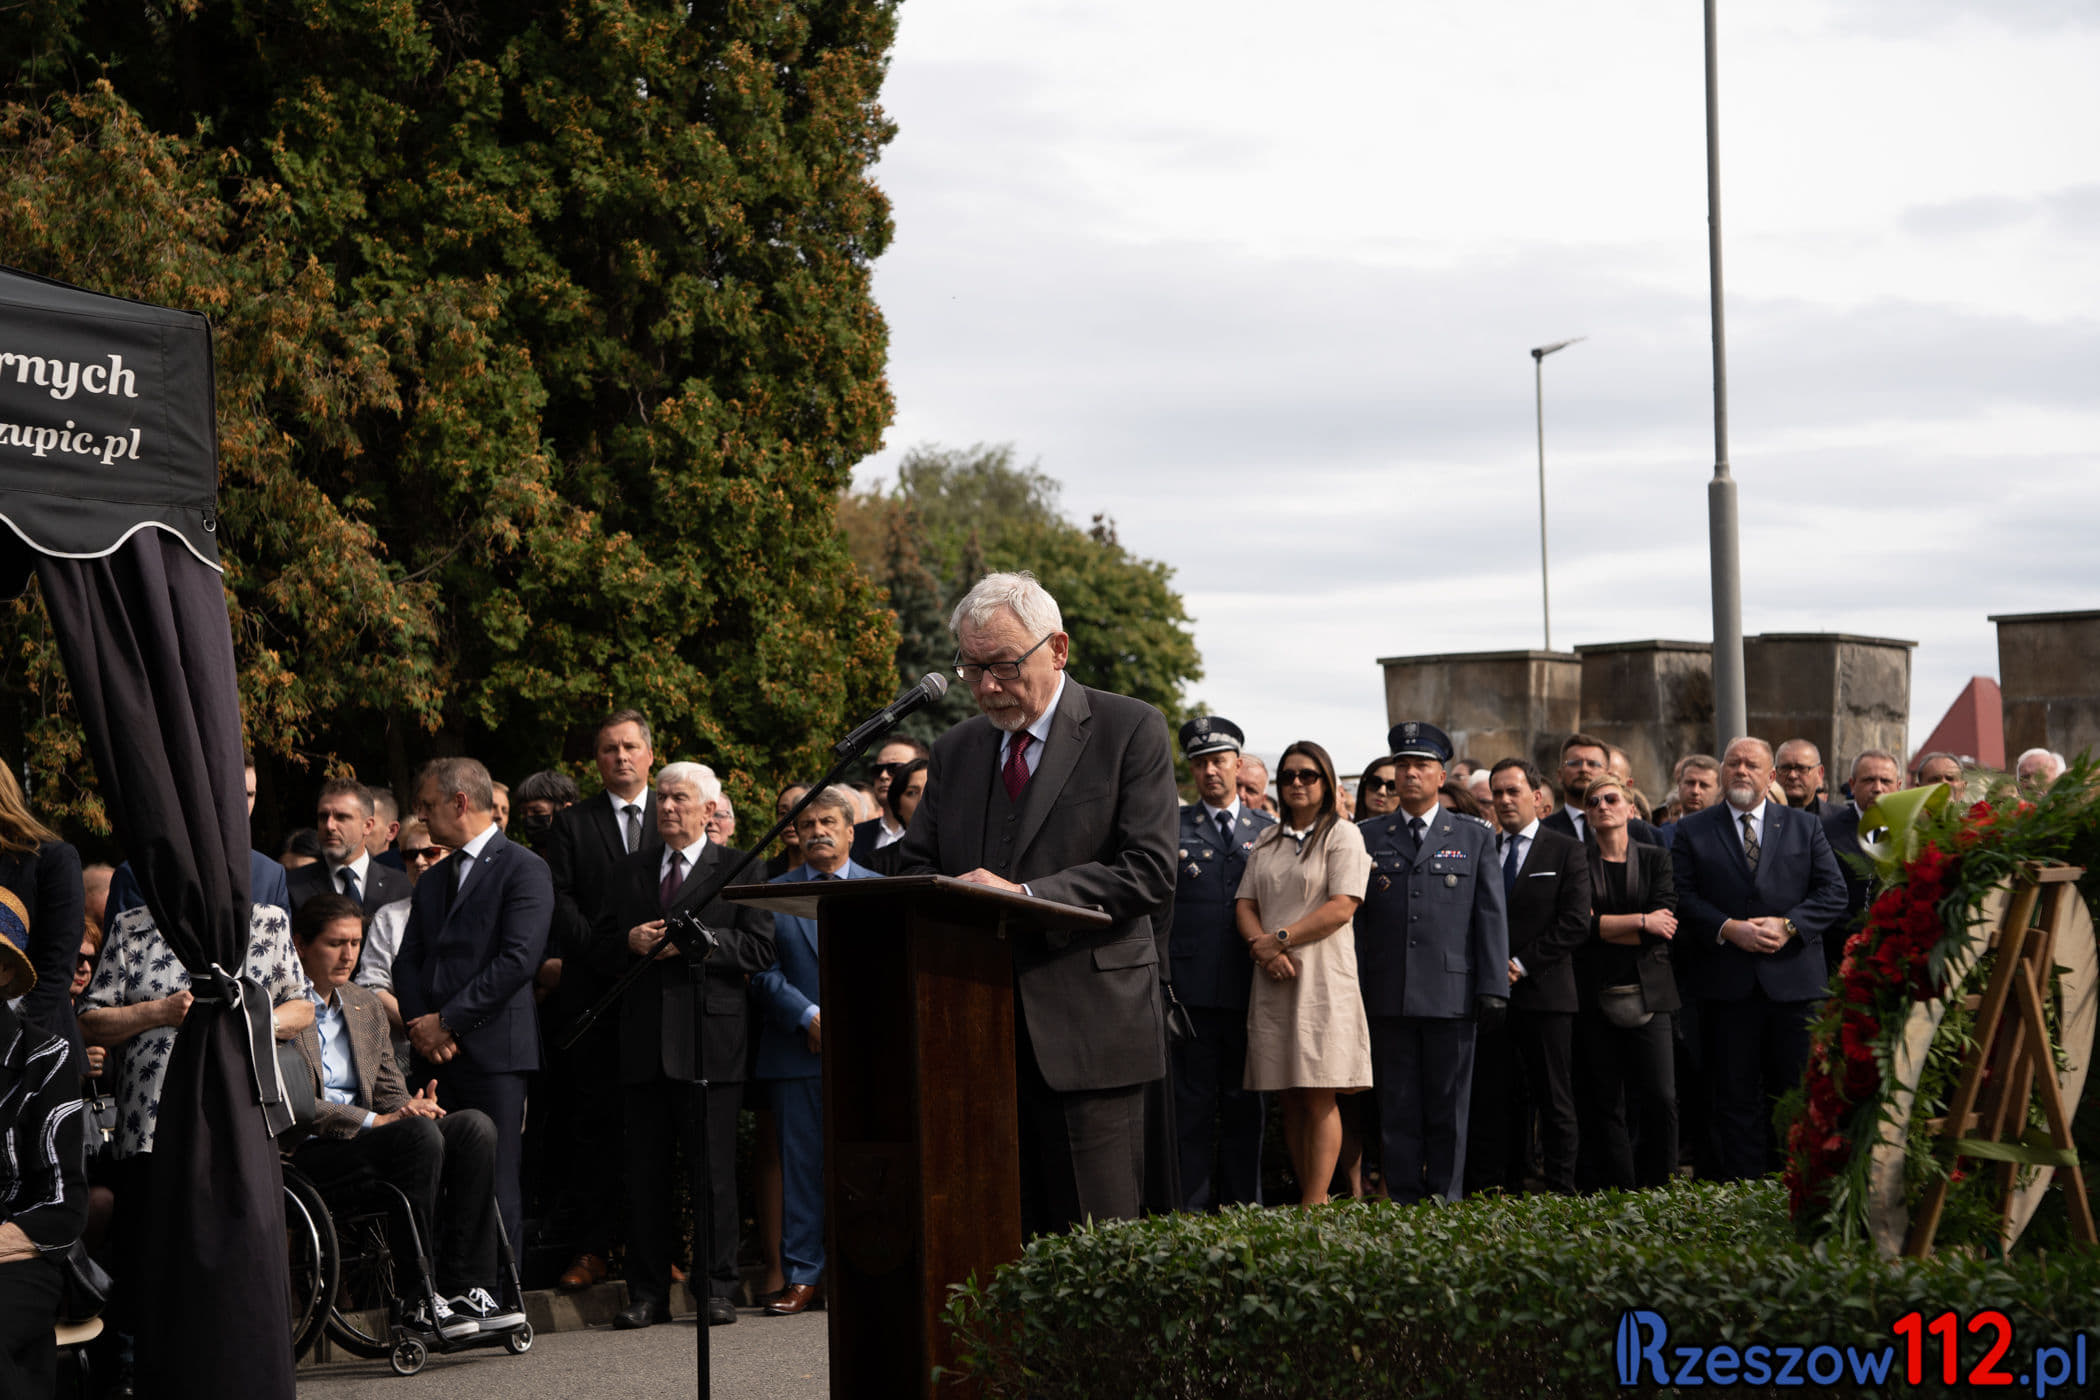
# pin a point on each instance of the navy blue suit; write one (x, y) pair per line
(1754, 1007)
(472, 960)
(1431, 937)
(1841, 828)
(266, 885)
(784, 995)
(1212, 975)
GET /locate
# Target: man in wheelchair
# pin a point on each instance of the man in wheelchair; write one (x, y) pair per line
(369, 1128)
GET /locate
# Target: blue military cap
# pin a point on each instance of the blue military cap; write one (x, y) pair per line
(1413, 739)
(1210, 734)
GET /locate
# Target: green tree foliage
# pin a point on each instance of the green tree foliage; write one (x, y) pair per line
(955, 514)
(545, 347)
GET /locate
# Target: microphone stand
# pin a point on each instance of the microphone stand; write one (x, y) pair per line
(700, 1171)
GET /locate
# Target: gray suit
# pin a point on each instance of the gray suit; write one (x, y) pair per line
(1094, 827)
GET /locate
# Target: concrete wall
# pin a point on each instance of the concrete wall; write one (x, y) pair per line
(1841, 692)
(2049, 674)
(1493, 704)
(1653, 699)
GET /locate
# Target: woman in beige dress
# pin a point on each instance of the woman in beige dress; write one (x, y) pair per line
(1306, 1030)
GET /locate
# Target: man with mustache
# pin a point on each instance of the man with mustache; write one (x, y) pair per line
(1758, 890)
(791, 1048)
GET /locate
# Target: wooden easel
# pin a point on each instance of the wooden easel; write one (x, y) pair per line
(2020, 1057)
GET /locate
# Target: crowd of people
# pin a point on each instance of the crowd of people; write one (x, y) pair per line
(1453, 976)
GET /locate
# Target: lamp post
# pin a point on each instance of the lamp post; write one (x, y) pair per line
(1538, 384)
(1731, 705)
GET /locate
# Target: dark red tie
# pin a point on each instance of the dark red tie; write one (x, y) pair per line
(668, 890)
(1016, 771)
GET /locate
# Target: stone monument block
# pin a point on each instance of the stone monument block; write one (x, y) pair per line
(1492, 703)
(2049, 674)
(1843, 693)
(1653, 699)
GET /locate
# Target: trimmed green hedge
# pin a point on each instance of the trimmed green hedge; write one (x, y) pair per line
(1493, 1297)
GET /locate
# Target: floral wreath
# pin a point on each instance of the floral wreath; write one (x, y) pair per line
(1936, 863)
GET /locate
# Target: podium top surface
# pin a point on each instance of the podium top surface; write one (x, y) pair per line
(937, 894)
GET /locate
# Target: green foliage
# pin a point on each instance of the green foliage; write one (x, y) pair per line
(1496, 1296)
(955, 514)
(546, 346)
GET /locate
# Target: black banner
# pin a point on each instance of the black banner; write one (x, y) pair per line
(107, 424)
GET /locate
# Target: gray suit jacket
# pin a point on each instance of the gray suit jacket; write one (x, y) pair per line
(380, 1087)
(1096, 827)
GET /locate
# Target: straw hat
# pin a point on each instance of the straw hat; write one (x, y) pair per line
(16, 975)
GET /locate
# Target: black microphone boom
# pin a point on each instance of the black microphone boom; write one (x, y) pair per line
(931, 687)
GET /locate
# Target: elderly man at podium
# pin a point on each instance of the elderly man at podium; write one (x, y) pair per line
(1067, 794)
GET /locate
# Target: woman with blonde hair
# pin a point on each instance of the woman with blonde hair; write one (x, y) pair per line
(44, 873)
(1307, 1034)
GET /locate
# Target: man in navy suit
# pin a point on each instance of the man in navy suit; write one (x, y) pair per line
(1211, 977)
(1583, 757)
(477, 929)
(791, 1048)
(1875, 774)
(1758, 890)
(1432, 958)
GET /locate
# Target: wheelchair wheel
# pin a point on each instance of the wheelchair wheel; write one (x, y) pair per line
(360, 1314)
(518, 1342)
(408, 1356)
(313, 1256)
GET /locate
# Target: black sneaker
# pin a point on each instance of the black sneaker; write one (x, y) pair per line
(485, 1312)
(436, 1317)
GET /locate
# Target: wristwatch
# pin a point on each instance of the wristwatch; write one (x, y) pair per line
(1791, 931)
(1283, 938)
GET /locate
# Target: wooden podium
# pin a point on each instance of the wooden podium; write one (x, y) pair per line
(921, 1143)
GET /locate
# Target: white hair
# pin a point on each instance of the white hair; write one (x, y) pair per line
(2056, 761)
(1019, 594)
(697, 776)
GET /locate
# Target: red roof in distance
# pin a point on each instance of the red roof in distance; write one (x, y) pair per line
(1973, 727)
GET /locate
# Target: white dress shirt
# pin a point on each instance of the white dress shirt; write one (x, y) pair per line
(619, 809)
(470, 853)
(361, 868)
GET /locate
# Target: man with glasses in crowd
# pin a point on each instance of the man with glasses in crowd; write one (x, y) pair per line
(1875, 774)
(1065, 793)
(1799, 766)
(897, 751)
(1583, 757)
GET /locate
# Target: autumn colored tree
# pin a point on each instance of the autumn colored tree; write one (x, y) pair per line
(954, 514)
(545, 347)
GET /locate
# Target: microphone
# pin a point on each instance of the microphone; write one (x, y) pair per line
(931, 687)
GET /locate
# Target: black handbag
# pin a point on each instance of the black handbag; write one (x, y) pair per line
(101, 1127)
(83, 1287)
(299, 1094)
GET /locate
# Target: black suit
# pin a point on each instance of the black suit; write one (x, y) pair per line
(472, 958)
(1754, 1007)
(656, 1066)
(1841, 828)
(1094, 826)
(382, 885)
(1626, 1079)
(1528, 1064)
(865, 834)
(582, 1181)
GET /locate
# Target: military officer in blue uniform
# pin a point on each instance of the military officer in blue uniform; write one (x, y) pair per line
(1215, 1119)
(1432, 957)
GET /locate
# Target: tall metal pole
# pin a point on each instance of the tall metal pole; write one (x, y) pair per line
(1731, 707)
(1538, 384)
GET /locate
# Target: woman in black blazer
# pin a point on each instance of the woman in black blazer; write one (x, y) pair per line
(1625, 1062)
(44, 873)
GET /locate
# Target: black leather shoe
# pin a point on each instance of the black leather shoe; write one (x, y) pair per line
(720, 1312)
(641, 1314)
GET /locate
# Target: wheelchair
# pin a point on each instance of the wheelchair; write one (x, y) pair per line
(346, 1281)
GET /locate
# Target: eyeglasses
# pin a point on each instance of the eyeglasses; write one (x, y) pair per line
(1381, 785)
(974, 671)
(1289, 776)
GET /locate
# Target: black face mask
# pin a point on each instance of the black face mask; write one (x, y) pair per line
(536, 825)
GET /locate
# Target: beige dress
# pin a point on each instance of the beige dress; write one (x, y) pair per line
(1308, 1032)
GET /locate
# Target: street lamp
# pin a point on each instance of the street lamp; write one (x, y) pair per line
(1731, 709)
(1538, 384)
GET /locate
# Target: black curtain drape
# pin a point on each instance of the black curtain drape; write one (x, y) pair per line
(149, 657)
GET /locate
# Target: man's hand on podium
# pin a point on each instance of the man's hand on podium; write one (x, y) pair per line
(981, 876)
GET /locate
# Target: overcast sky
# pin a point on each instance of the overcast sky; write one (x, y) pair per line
(1261, 283)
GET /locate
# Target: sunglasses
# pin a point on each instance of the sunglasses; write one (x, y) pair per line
(1609, 799)
(1307, 776)
(426, 855)
(1381, 785)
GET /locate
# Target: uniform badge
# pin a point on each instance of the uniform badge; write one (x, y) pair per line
(1384, 884)
(1450, 882)
(1184, 853)
(1195, 869)
(1208, 853)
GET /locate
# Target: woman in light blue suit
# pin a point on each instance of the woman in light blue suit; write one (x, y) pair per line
(790, 1048)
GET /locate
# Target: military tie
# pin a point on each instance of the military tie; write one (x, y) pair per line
(634, 827)
(1415, 827)
(1751, 850)
(1016, 771)
(1225, 830)
(1509, 865)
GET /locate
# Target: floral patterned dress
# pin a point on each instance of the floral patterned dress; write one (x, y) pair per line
(137, 965)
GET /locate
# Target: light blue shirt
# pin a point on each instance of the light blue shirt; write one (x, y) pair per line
(338, 1075)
